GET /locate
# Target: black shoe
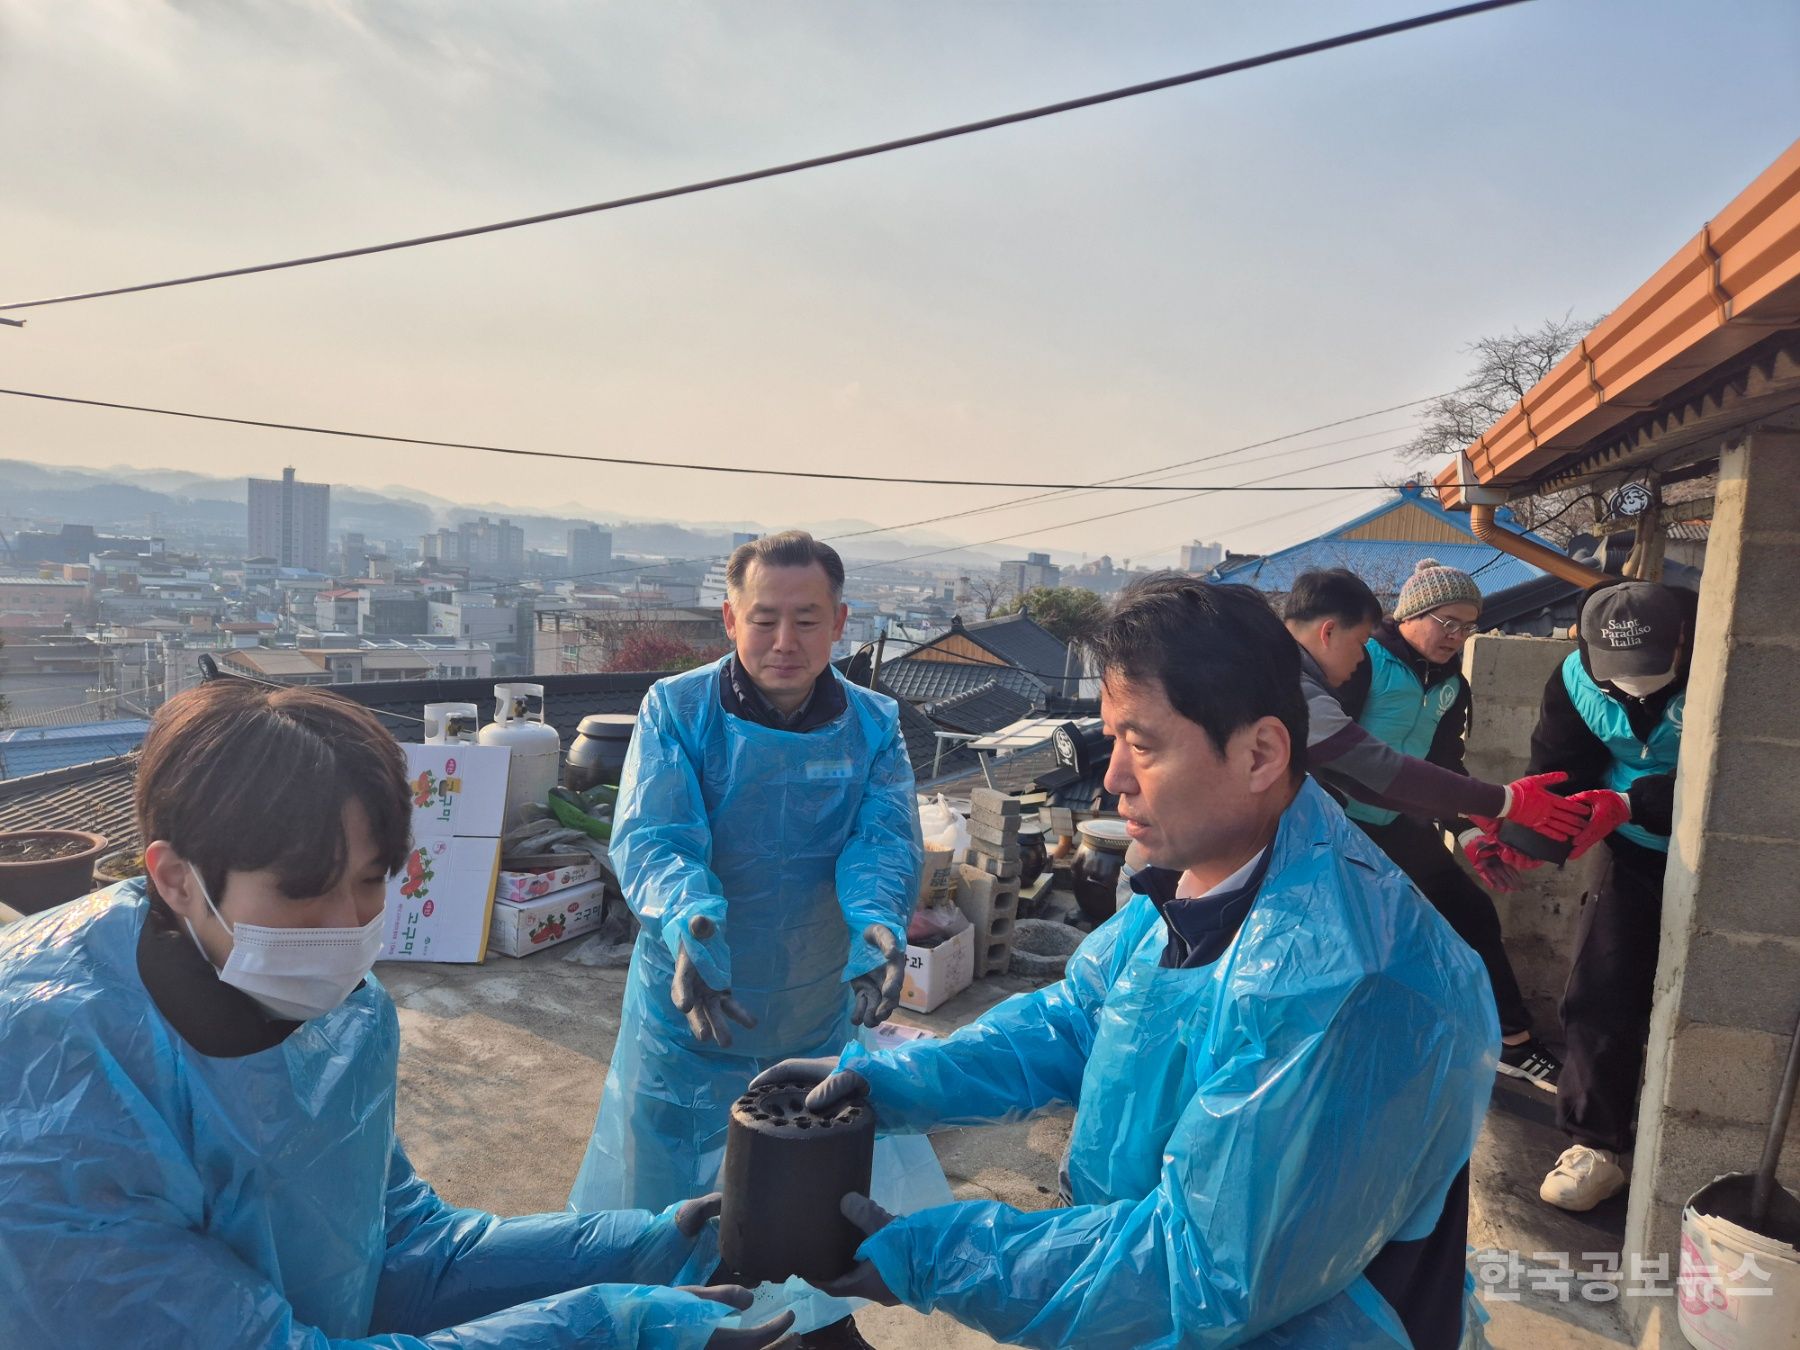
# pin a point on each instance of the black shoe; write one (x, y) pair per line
(1533, 1061)
(838, 1336)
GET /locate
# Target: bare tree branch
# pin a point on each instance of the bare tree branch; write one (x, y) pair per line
(1506, 366)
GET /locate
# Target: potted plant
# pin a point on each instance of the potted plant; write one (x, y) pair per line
(122, 864)
(40, 869)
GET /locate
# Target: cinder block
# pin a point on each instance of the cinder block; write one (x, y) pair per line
(1768, 591)
(1062, 820)
(989, 834)
(990, 905)
(1007, 869)
(1743, 982)
(1753, 789)
(1749, 885)
(1723, 1071)
(1000, 803)
(1759, 702)
(1694, 1149)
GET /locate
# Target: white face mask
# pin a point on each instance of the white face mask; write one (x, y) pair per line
(295, 973)
(1642, 686)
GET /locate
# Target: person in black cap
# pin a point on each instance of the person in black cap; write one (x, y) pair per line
(1611, 720)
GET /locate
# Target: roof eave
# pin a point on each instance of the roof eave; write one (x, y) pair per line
(1724, 291)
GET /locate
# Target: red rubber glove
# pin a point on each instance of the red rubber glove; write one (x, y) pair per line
(1535, 807)
(1497, 865)
(1608, 810)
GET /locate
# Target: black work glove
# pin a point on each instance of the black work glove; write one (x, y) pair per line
(693, 1215)
(769, 1335)
(863, 1280)
(706, 1008)
(877, 991)
(828, 1085)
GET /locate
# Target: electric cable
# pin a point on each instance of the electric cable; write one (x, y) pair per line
(816, 162)
(682, 466)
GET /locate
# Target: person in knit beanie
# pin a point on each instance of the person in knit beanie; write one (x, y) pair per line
(1431, 585)
(1411, 696)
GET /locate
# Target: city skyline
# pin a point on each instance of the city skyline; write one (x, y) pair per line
(1090, 295)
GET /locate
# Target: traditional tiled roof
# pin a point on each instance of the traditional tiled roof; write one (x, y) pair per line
(917, 680)
(94, 796)
(987, 707)
(1021, 640)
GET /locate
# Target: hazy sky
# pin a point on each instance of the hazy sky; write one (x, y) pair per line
(1071, 299)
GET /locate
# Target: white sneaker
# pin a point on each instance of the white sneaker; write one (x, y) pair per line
(1582, 1178)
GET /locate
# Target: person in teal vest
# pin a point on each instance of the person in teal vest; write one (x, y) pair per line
(1411, 695)
(1611, 720)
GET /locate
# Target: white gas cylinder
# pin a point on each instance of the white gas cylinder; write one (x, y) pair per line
(536, 748)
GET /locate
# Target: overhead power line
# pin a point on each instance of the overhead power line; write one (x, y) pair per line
(627, 462)
(1149, 506)
(1219, 454)
(816, 162)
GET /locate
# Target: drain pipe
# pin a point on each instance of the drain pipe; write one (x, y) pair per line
(1483, 501)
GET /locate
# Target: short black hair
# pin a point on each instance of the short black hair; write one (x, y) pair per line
(791, 548)
(1331, 593)
(241, 777)
(1223, 658)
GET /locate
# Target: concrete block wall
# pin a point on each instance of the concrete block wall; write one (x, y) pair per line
(1728, 979)
(1507, 675)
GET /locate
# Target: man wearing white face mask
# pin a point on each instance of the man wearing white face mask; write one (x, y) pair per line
(1611, 720)
(197, 1083)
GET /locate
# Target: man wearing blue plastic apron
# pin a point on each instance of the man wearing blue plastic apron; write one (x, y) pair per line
(1279, 1055)
(767, 839)
(1611, 720)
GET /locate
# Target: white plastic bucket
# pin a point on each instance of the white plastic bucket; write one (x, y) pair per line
(1739, 1289)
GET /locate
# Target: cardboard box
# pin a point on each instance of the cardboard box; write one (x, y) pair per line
(521, 929)
(890, 1035)
(457, 789)
(438, 905)
(522, 887)
(934, 974)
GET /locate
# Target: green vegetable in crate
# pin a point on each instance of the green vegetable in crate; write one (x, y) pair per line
(590, 811)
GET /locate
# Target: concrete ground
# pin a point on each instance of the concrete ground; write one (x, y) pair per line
(500, 1073)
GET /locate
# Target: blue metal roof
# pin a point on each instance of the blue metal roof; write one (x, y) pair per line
(1386, 563)
(25, 750)
(1383, 563)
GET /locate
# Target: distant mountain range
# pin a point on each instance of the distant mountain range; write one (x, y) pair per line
(122, 500)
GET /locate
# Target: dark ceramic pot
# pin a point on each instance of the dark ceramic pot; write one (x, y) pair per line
(1033, 856)
(1094, 874)
(598, 752)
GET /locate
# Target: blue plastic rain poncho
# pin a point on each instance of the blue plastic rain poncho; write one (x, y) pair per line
(791, 843)
(154, 1196)
(1248, 1135)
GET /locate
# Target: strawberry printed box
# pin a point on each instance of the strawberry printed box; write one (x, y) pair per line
(519, 888)
(457, 789)
(526, 926)
(439, 903)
